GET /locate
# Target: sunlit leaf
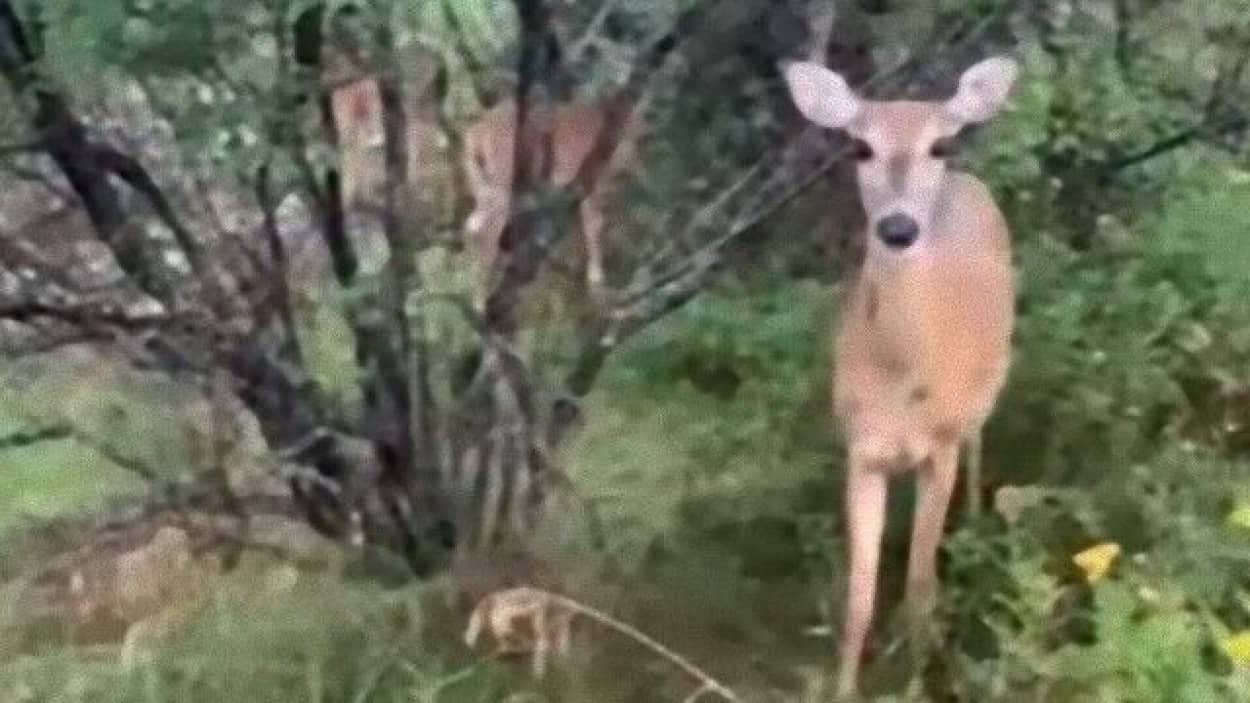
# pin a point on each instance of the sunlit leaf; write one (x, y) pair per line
(1237, 647)
(1240, 516)
(1097, 560)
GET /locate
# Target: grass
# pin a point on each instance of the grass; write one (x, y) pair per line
(709, 460)
(56, 479)
(644, 464)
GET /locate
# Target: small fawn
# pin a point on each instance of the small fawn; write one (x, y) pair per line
(488, 165)
(924, 340)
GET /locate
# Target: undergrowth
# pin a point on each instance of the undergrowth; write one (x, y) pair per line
(711, 465)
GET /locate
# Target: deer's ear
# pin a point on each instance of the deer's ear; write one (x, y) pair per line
(821, 95)
(983, 90)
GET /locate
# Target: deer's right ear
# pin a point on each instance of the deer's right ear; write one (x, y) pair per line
(983, 90)
(821, 95)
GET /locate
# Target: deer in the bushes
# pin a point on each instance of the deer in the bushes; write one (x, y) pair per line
(356, 104)
(924, 338)
(573, 130)
(357, 107)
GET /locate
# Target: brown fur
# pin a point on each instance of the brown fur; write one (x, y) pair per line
(356, 103)
(942, 323)
(488, 165)
(923, 346)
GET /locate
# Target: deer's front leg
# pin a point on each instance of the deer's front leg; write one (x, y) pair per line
(483, 228)
(865, 522)
(592, 225)
(935, 481)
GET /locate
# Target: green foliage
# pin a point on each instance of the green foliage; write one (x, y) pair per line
(1084, 104)
(724, 443)
(1130, 364)
(1133, 345)
(1141, 637)
(325, 639)
(1125, 400)
(52, 479)
(709, 458)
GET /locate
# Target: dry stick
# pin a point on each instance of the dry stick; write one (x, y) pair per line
(696, 694)
(26, 438)
(641, 288)
(708, 683)
(651, 294)
(709, 212)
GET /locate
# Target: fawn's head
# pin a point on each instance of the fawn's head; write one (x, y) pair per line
(902, 146)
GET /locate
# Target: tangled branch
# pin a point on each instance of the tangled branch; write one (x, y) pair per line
(549, 617)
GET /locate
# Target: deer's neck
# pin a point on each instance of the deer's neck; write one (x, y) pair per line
(897, 291)
(957, 275)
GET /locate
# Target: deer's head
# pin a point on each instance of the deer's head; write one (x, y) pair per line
(901, 146)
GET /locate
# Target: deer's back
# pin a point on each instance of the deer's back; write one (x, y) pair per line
(575, 128)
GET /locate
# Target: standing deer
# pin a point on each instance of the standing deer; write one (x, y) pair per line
(488, 165)
(924, 339)
(357, 108)
(356, 103)
(348, 83)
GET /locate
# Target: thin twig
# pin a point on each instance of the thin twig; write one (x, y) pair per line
(26, 438)
(592, 29)
(696, 694)
(708, 683)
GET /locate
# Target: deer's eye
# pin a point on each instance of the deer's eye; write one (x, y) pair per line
(943, 148)
(860, 150)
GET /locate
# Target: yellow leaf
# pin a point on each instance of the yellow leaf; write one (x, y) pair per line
(1237, 647)
(1097, 560)
(1240, 516)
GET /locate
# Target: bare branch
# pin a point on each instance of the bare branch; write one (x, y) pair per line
(83, 315)
(761, 190)
(588, 37)
(500, 609)
(1123, 54)
(23, 148)
(821, 17)
(26, 438)
(530, 146)
(327, 197)
(278, 275)
(66, 141)
(1237, 122)
(132, 172)
(531, 232)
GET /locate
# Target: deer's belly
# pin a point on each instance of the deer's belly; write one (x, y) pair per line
(897, 427)
(897, 420)
(920, 361)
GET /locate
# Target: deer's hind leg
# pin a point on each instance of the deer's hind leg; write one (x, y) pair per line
(972, 461)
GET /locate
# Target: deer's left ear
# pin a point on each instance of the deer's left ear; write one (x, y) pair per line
(983, 90)
(821, 95)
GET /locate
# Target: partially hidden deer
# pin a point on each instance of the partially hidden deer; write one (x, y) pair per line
(356, 104)
(923, 344)
(357, 107)
(573, 130)
(349, 84)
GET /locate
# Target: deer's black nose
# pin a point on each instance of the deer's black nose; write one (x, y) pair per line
(898, 231)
